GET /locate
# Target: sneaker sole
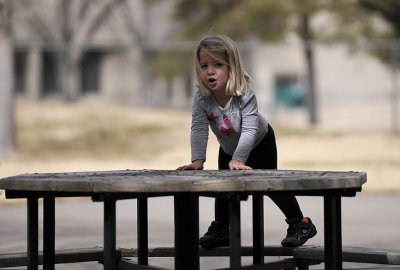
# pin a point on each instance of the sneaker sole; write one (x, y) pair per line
(312, 233)
(209, 243)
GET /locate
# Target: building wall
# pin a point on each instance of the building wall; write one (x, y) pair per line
(353, 88)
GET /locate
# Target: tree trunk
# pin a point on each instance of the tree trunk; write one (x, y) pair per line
(137, 60)
(70, 65)
(7, 141)
(70, 75)
(309, 58)
(74, 83)
(311, 97)
(34, 73)
(395, 95)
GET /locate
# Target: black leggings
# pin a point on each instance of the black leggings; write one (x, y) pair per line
(264, 156)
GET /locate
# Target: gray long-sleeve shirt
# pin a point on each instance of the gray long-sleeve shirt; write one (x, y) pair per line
(238, 127)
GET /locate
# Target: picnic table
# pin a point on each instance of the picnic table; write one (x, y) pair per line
(186, 187)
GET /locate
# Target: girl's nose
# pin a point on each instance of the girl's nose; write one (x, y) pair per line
(211, 71)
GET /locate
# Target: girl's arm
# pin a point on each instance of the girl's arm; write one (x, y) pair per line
(198, 134)
(249, 111)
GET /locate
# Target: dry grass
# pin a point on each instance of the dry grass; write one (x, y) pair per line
(64, 131)
(54, 136)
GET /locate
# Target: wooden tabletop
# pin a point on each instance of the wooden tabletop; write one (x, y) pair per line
(164, 181)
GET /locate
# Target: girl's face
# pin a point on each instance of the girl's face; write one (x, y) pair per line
(214, 70)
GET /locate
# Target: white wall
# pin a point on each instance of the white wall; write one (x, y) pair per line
(353, 89)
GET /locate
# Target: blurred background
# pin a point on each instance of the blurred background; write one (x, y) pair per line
(108, 84)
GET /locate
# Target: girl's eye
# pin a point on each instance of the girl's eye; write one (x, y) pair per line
(220, 64)
(203, 66)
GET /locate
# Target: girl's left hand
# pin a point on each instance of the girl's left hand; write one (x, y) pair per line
(235, 164)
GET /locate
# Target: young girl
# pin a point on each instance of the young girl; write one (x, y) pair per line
(226, 103)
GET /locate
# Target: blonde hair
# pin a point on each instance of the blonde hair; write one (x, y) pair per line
(238, 79)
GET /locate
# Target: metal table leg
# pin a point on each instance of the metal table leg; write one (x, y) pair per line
(110, 253)
(48, 232)
(142, 231)
(186, 232)
(234, 222)
(258, 229)
(33, 232)
(333, 232)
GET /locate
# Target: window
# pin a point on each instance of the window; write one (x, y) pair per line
(289, 91)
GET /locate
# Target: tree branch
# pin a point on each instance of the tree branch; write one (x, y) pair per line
(94, 19)
(129, 23)
(33, 19)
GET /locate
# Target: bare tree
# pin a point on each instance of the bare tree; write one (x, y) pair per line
(68, 29)
(7, 142)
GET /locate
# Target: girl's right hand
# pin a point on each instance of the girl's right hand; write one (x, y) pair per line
(196, 165)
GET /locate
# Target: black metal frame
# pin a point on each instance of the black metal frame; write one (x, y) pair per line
(186, 215)
(333, 232)
(258, 229)
(48, 232)
(143, 232)
(110, 260)
(33, 232)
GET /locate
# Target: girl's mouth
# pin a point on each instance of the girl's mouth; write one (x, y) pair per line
(212, 81)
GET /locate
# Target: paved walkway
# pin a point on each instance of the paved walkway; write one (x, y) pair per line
(368, 221)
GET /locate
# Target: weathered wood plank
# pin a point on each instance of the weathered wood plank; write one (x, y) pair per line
(184, 181)
(316, 253)
(214, 252)
(274, 265)
(313, 253)
(375, 268)
(61, 256)
(352, 254)
(126, 264)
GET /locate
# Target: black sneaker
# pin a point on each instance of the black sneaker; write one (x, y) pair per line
(216, 236)
(299, 232)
